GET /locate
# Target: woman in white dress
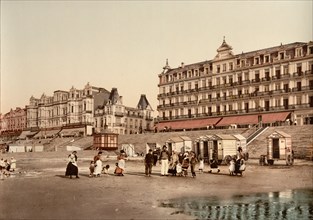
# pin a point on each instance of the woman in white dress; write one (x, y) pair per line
(98, 167)
(13, 164)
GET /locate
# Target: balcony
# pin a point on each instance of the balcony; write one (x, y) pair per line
(119, 114)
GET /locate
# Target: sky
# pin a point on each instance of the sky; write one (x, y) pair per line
(54, 45)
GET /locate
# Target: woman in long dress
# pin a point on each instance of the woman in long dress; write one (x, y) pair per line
(72, 169)
(13, 164)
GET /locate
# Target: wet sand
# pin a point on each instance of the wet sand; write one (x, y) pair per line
(39, 189)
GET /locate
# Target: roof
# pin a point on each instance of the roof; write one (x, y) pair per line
(253, 119)
(188, 124)
(226, 137)
(277, 134)
(239, 137)
(114, 96)
(274, 117)
(179, 139)
(143, 102)
(238, 120)
(48, 133)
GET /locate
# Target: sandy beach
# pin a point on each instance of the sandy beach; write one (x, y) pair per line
(39, 189)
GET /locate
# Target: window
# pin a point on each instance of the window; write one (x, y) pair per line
(189, 86)
(267, 75)
(298, 52)
(218, 68)
(224, 67)
(267, 58)
(218, 81)
(285, 69)
(298, 100)
(277, 86)
(203, 83)
(231, 66)
(246, 75)
(281, 55)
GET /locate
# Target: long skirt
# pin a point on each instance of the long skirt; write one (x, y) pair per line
(71, 170)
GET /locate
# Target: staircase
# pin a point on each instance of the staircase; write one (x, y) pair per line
(254, 135)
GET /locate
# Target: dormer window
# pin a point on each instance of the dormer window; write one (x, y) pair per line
(298, 52)
(256, 60)
(242, 63)
(267, 58)
(282, 55)
(310, 49)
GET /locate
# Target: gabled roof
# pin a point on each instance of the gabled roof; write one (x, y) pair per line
(114, 96)
(143, 102)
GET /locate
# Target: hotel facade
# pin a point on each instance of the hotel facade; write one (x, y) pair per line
(77, 112)
(271, 86)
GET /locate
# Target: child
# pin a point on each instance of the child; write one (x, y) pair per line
(214, 166)
(179, 170)
(201, 165)
(92, 168)
(232, 167)
(105, 169)
(118, 171)
(185, 166)
(98, 167)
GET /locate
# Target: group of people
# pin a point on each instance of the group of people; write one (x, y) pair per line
(176, 164)
(7, 167)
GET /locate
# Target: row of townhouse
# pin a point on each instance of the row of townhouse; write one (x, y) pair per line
(88, 110)
(237, 89)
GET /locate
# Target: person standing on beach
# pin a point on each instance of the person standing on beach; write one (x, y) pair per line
(193, 162)
(98, 167)
(72, 168)
(13, 164)
(148, 163)
(155, 156)
(164, 158)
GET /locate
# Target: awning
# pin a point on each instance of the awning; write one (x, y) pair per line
(275, 117)
(71, 132)
(24, 134)
(47, 133)
(188, 124)
(238, 120)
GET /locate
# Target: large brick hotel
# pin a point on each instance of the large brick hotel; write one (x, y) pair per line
(271, 86)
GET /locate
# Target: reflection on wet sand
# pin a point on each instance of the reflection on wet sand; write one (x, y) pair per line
(291, 204)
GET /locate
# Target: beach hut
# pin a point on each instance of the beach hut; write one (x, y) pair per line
(241, 142)
(16, 148)
(180, 144)
(221, 146)
(279, 147)
(129, 149)
(105, 141)
(201, 146)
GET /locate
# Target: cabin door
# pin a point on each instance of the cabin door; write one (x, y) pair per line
(206, 151)
(276, 148)
(215, 150)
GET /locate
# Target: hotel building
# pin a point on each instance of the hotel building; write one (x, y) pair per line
(271, 86)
